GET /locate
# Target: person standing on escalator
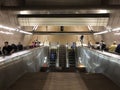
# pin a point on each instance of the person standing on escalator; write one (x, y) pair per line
(0, 51)
(81, 39)
(7, 49)
(102, 45)
(19, 46)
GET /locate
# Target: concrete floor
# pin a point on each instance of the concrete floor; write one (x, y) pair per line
(63, 81)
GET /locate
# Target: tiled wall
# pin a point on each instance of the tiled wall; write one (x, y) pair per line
(10, 20)
(114, 22)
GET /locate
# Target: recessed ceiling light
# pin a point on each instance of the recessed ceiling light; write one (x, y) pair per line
(76, 12)
(103, 11)
(24, 12)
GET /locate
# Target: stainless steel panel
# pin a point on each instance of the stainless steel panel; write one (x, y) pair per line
(101, 62)
(14, 66)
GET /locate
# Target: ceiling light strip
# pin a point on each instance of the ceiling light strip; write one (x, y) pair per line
(21, 31)
(6, 32)
(13, 29)
(116, 29)
(103, 32)
(8, 28)
(35, 27)
(108, 30)
(90, 28)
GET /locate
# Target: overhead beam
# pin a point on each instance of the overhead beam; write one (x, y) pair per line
(105, 2)
(12, 3)
(62, 15)
(55, 7)
(61, 33)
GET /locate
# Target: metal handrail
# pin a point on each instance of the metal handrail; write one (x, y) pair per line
(67, 60)
(76, 56)
(57, 61)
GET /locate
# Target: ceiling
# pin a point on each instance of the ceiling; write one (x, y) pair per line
(58, 4)
(49, 2)
(61, 12)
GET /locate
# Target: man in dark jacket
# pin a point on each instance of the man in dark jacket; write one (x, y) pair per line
(14, 47)
(7, 49)
(81, 39)
(0, 51)
(19, 46)
(118, 49)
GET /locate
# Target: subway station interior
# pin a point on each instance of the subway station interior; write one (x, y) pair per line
(59, 44)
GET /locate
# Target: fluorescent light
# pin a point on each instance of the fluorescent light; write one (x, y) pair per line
(8, 28)
(116, 29)
(6, 32)
(116, 33)
(9, 33)
(90, 27)
(12, 29)
(25, 12)
(35, 27)
(102, 11)
(25, 32)
(109, 30)
(103, 32)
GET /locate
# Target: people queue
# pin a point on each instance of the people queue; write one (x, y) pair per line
(113, 48)
(9, 49)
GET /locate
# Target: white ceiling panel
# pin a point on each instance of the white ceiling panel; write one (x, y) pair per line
(63, 21)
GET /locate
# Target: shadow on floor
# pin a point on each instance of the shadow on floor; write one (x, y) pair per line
(30, 81)
(64, 81)
(98, 82)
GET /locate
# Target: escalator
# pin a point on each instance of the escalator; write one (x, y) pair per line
(63, 78)
(71, 57)
(53, 57)
(62, 56)
(66, 80)
(52, 60)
